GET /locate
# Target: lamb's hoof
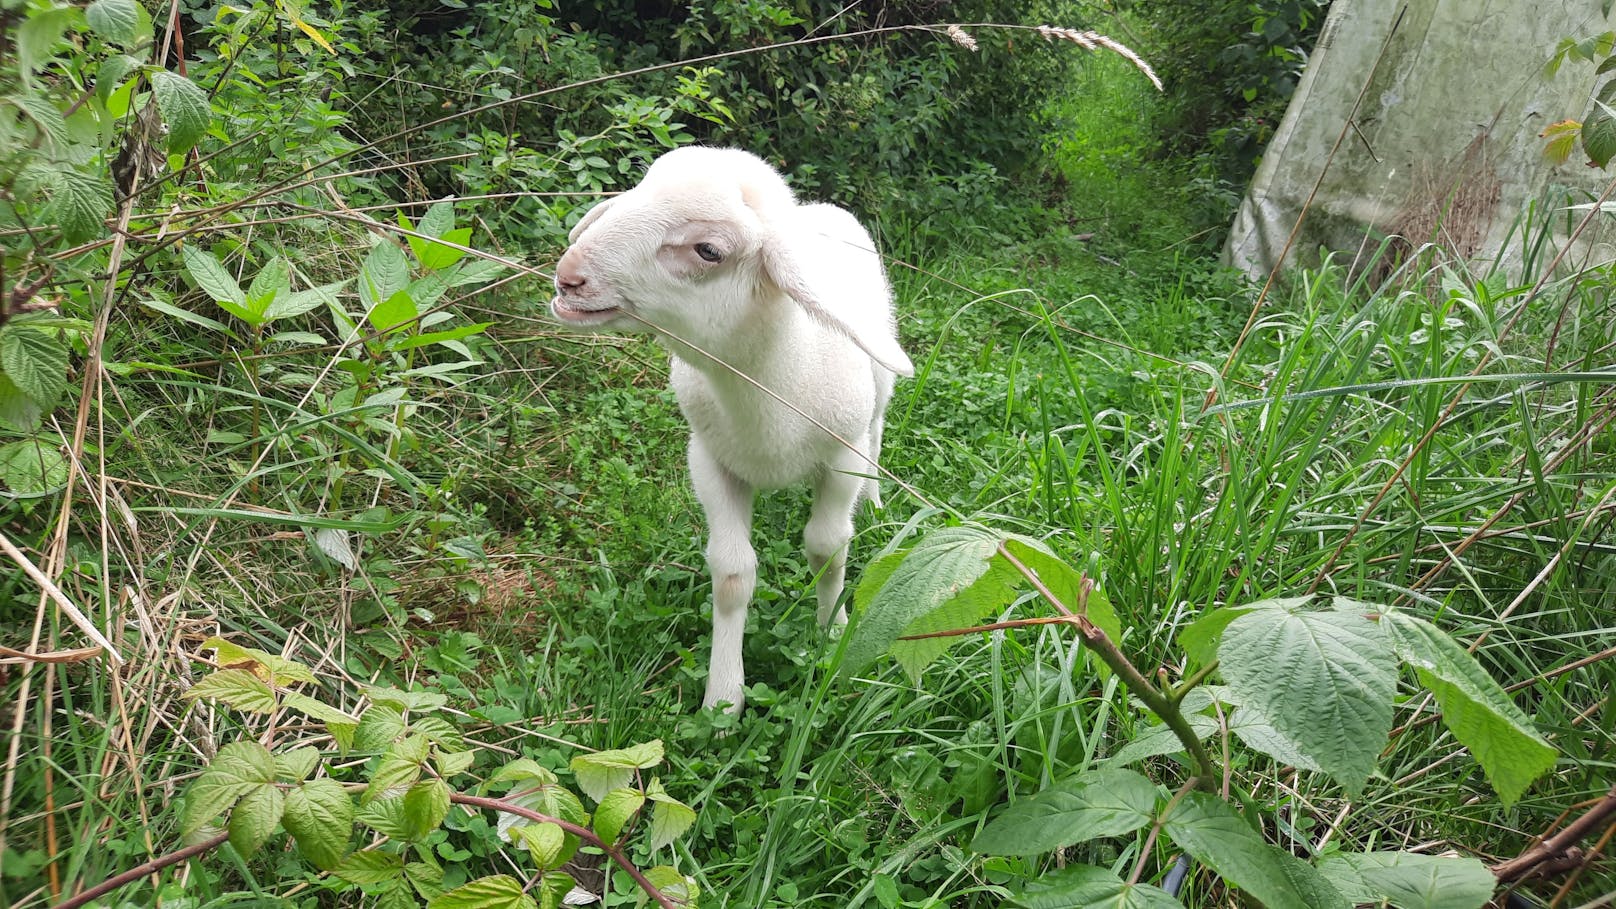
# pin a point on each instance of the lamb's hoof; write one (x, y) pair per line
(836, 626)
(730, 702)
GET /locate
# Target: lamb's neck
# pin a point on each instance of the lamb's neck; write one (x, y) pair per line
(758, 351)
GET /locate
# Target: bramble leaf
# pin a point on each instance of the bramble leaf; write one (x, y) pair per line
(1410, 881)
(497, 891)
(1207, 828)
(255, 817)
(1090, 805)
(670, 818)
(237, 687)
(615, 811)
(1478, 712)
(320, 815)
(115, 20)
(603, 771)
(185, 108)
(1088, 887)
(1323, 680)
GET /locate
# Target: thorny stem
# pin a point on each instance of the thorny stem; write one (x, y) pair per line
(151, 867)
(1557, 845)
(1163, 705)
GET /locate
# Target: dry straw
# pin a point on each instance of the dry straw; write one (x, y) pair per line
(1094, 41)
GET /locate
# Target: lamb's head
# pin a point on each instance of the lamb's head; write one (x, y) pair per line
(705, 245)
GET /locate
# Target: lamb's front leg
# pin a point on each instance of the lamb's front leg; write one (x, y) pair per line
(830, 527)
(728, 504)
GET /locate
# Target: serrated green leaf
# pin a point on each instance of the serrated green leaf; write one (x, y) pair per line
(438, 337)
(393, 775)
(185, 109)
(237, 687)
(386, 816)
(272, 281)
(451, 763)
(1323, 680)
(543, 841)
(932, 584)
(553, 889)
(35, 362)
(29, 468)
(1258, 734)
(52, 126)
(874, 577)
(299, 302)
(395, 311)
(296, 765)
(1159, 740)
(670, 818)
(440, 732)
(438, 220)
(1478, 712)
(255, 818)
(370, 866)
(117, 21)
(1208, 829)
(80, 203)
(384, 273)
(681, 888)
(208, 797)
(437, 256)
(406, 700)
(1088, 887)
(379, 727)
(1094, 804)
(319, 710)
(1599, 128)
(495, 892)
(320, 816)
(550, 801)
(615, 811)
(425, 877)
(1410, 881)
(17, 410)
(38, 37)
(474, 271)
(604, 771)
(426, 804)
(212, 277)
(111, 73)
(523, 770)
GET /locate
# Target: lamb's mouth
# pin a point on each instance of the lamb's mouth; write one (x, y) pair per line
(578, 315)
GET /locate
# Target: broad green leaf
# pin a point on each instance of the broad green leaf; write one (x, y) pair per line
(1200, 639)
(1088, 887)
(299, 302)
(553, 889)
(495, 892)
(184, 107)
(670, 818)
(386, 816)
(117, 21)
(237, 687)
(1256, 733)
(369, 866)
(38, 36)
(211, 276)
(453, 762)
(1562, 139)
(112, 72)
(1599, 129)
(80, 203)
(296, 765)
(1208, 829)
(211, 795)
(1094, 804)
(320, 815)
(406, 700)
(543, 841)
(1475, 709)
(438, 220)
(681, 888)
(438, 256)
(474, 271)
(426, 804)
(874, 577)
(1323, 680)
(523, 770)
(30, 468)
(273, 281)
(1160, 739)
(1410, 881)
(317, 709)
(398, 769)
(550, 801)
(379, 727)
(52, 125)
(17, 410)
(603, 771)
(35, 362)
(396, 310)
(440, 732)
(615, 811)
(935, 575)
(255, 818)
(438, 337)
(384, 273)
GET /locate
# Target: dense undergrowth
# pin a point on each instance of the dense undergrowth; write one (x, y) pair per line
(371, 453)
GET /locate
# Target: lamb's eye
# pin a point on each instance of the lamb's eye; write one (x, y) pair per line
(709, 252)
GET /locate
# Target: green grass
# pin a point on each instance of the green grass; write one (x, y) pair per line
(549, 575)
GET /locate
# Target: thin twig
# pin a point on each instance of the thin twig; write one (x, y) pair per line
(151, 867)
(55, 593)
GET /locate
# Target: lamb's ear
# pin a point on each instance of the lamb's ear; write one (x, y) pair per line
(836, 282)
(590, 217)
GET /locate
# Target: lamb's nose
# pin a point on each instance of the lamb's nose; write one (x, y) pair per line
(568, 277)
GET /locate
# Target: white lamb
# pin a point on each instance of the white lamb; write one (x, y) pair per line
(751, 293)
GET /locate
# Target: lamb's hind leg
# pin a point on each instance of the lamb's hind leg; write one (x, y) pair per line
(830, 527)
(728, 504)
